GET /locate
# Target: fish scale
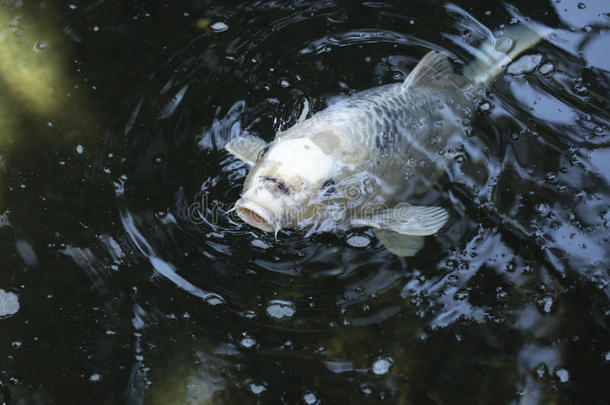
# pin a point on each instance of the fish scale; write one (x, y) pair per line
(396, 125)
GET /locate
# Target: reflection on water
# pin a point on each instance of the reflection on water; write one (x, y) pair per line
(133, 283)
(31, 65)
(35, 62)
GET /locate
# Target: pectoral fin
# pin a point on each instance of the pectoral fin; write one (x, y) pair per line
(406, 219)
(246, 148)
(398, 244)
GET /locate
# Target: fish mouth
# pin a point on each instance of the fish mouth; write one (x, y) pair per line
(255, 215)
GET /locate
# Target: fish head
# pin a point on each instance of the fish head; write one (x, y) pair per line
(282, 184)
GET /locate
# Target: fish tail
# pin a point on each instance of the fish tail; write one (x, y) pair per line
(503, 47)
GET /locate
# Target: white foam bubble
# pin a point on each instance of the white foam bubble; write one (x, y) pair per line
(382, 366)
(280, 309)
(9, 303)
(563, 375)
(219, 26)
(358, 241)
(257, 389)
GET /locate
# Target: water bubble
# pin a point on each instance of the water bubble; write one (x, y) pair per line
(581, 88)
(80, 149)
(310, 398)
(461, 295)
(485, 107)
(39, 46)
(257, 389)
(542, 208)
(284, 83)
(382, 366)
(260, 244)
(607, 356)
(96, 28)
(72, 6)
(582, 6)
(540, 371)
(524, 64)
(4, 220)
(214, 301)
(358, 241)
(16, 344)
(546, 304)
(219, 26)
(578, 196)
(563, 375)
(501, 294)
(247, 342)
(249, 314)
(9, 303)
(280, 309)
(95, 377)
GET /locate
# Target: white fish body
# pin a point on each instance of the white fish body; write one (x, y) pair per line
(354, 163)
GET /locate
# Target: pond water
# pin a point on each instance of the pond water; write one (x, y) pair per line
(123, 278)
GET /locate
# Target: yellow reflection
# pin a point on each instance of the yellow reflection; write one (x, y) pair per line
(35, 79)
(32, 64)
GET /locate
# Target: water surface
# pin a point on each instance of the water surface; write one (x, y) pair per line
(124, 280)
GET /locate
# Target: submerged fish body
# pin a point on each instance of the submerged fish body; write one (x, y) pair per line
(354, 163)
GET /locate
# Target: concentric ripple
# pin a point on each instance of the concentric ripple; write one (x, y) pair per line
(528, 205)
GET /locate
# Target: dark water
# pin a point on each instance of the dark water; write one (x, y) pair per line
(134, 286)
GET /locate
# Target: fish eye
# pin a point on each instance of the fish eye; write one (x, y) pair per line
(262, 153)
(279, 185)
(328, 187)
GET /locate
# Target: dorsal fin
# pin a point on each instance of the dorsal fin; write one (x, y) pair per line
(434, 70)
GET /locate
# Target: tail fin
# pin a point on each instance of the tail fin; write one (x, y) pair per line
(502, 47)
